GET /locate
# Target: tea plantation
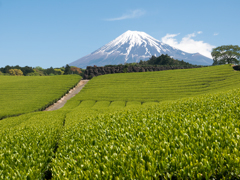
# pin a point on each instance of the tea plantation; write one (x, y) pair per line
(160, 85)
(179, 124)
(24, 94)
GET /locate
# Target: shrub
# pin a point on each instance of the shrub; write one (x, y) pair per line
(15, 72)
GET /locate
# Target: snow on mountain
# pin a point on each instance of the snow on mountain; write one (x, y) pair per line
(133, 46)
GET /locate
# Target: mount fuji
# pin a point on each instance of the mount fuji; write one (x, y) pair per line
(133, 46)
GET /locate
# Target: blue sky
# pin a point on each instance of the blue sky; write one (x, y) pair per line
(57, 32)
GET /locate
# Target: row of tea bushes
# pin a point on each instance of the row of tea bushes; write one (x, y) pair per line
(160, 86)
(193, 138)
(27, 148)
(24, 94)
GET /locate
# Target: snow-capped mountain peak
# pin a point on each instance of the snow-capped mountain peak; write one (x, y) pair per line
(130, 40)
(134, 38)
(133, 46)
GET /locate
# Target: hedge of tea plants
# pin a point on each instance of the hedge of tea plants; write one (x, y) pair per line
(192, 138)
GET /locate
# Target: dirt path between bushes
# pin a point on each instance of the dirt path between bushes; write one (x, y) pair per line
(68, 96)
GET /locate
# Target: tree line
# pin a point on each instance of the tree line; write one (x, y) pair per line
(39, 71)
(162, 60)
(226, 54)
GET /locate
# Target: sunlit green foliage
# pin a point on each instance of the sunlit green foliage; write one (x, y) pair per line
(87, 104)
(71, 104)
(193, 138)
(160, 86)
(117, 104)
(101, 104)
(133, 103)
(27, 149)
(227, 54)
(108, 131)
(21, 95)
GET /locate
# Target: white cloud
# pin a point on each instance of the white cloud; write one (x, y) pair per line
(188, 44)
(215, 34)
(129, 15)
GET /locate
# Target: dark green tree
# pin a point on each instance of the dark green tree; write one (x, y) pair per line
(26, 70)
(6, 69)
(226, 54)
(152, 60)
(49, 71)
(67, 69)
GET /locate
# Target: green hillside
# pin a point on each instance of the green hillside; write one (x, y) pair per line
(24, 94)
(161, 85)
(184, 125)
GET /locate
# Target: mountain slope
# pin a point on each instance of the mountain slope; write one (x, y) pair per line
(133, 46)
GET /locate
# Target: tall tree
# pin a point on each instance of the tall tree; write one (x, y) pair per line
(6, 69)
(226, 54)
(67, 69)
(49, 71)
(26, 70)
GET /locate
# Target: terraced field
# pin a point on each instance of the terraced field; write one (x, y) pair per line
(180, 124)
(160, 86)
(21, 95)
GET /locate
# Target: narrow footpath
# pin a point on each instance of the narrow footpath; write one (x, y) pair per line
(68, 96)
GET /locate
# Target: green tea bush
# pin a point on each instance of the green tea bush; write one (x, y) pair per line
(160, 86)
(26, 150)
(193, 138)
(20, 95)
(124, 126)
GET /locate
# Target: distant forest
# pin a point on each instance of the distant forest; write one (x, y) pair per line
(39, 71)
(163, 60)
